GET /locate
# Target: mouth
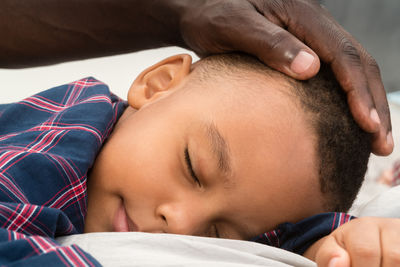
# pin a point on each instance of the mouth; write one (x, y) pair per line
(122, 222)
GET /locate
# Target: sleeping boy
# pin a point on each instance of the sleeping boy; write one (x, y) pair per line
(225, 147)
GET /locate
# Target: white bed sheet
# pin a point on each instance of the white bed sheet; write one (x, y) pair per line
(386, 204)
(145, 249)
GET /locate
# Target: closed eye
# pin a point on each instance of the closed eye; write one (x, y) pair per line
(190, 167)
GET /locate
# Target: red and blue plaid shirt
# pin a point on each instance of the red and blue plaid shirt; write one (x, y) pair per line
(48, 143)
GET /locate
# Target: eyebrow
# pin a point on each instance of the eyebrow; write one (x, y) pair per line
(219, 148)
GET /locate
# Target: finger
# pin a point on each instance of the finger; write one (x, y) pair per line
(277, 48)
(352, 80)
(336, 47)
(331, 254)
(349, 71)
(363, 244)
(390, 240)
(382, 140)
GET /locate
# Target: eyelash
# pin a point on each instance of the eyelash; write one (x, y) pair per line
(190, 167)
(197, 181)
(216, 231)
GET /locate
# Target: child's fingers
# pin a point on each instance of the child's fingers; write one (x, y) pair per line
(363, 243)
(390, 240)
(331, 254)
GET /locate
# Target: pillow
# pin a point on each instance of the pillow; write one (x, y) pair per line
(386, 204)
(146, 249)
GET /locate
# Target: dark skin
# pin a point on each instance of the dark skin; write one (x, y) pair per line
(44, 32)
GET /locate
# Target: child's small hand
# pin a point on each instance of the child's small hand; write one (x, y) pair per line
(361, 242)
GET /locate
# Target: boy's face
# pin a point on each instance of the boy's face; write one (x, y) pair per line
(219, 157)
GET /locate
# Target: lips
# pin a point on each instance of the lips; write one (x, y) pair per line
(122, 222)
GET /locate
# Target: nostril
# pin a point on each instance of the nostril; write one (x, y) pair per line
(164, 219)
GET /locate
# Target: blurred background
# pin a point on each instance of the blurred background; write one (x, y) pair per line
(375, 23)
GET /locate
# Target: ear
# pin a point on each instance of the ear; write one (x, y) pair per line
(159, 80)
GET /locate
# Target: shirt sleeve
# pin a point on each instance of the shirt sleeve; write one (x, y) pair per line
(48, 143)
(298, 237)
(17, 249)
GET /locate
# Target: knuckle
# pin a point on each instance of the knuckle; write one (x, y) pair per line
(299, 4)
(278, 40)
(285, 9)
(299, 7)
(365, 251)
(272, 6)
(372, 65)
(350, 51)
(277, 6)
(273, 10)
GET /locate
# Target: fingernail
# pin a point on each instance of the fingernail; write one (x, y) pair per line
(333, 261)
(374, 116)
(389, 139)
(302, 62)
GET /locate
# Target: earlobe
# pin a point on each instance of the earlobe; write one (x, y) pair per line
(159, 80)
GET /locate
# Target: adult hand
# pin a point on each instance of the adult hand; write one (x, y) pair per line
(291, 36)
(362, 242)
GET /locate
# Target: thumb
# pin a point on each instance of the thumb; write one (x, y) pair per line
(278, 49)
(331, 254)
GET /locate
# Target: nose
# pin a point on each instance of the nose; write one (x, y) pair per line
(183, 218)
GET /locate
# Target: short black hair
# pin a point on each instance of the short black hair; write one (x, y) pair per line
(343, 148)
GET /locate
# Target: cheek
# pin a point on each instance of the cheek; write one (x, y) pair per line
(146, 159)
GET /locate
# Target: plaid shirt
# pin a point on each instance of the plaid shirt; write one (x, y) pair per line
(48, 142)
(298, 237)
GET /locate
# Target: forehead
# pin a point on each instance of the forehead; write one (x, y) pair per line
(257, 116)
(267, 133)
